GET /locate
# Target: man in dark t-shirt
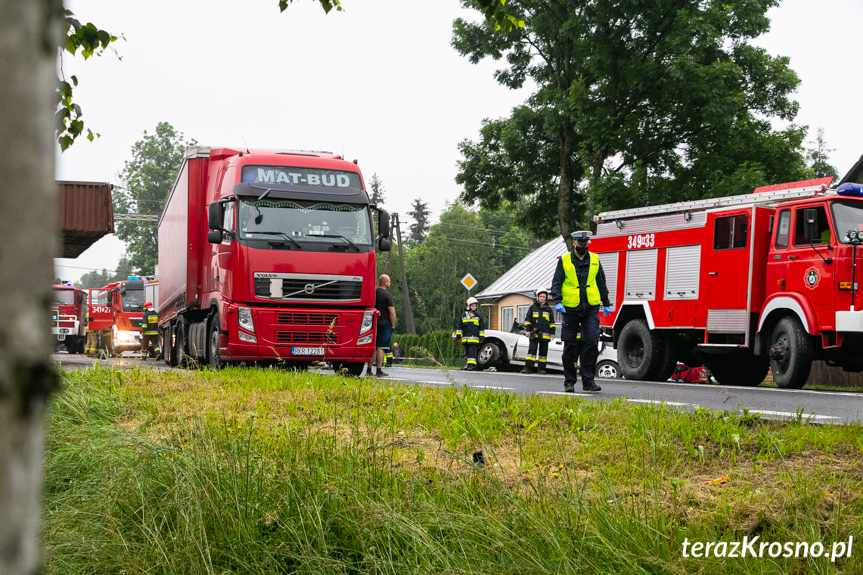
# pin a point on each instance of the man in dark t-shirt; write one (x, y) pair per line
(385, 304)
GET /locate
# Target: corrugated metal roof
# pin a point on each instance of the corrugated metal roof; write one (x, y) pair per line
(86, 214)
(535, 270)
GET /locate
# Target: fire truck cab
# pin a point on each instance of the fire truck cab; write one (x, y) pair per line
(114, 317)
(68, 318)
(747, 283)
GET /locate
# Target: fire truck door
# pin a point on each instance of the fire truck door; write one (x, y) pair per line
(727, 269)
(101, 316)
(807, 272)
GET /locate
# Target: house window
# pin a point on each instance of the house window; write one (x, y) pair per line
(522, 312)
(506, 318)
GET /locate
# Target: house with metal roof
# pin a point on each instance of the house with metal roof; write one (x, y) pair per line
(512, 293)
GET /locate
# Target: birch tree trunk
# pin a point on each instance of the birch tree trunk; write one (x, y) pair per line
(29, 36)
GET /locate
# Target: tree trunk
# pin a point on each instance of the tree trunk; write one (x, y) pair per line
(29, 38)
(565, 191)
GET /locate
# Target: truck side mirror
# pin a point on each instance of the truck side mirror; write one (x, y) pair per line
(384, 244)
(215, 218)
(810, 225)
(384, 225)
(214, 236)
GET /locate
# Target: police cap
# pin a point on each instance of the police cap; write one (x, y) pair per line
(581, 236)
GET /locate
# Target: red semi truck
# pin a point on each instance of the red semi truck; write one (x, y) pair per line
(68, 313)
(114, 317)
(268, 256)
(743, 283)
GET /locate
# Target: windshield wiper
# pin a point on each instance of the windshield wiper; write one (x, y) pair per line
(343, 238)
(280, 234)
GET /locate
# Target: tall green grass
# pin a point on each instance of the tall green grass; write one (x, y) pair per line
(263, 471)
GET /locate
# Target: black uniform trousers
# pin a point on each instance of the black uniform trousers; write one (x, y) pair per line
(582, 351)
(535, 345)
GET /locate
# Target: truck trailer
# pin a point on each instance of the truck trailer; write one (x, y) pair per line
(268, 256)
(742, 283)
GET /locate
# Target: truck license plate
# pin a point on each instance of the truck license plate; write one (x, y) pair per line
(64, 330)
(307, 351)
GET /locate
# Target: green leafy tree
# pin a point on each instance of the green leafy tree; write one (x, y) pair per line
(419, 229)
(376, 186)
(818, 157)
(147, 181)
(94, 279)
(636, 103)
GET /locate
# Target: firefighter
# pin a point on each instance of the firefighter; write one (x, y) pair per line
(150, 331)
(539, 324)
(471, 330)
(579, 288)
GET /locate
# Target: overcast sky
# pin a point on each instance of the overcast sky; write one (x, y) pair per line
(378, 82)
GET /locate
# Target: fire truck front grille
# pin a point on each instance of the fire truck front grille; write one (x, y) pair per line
(325, 289)
(307, 338)
(306, 318)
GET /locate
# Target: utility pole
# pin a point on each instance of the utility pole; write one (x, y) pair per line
(409, 316)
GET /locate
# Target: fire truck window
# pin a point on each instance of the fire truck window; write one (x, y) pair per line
(823, 233)
(64, 297)
(729, 232)
(133, 300)
(783, 230)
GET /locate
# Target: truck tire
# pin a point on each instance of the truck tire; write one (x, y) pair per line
(790, 354)
(488, 355)
(738, 369)
(178, 350)
(213, 336)
(640, 351)
(353, 368)
(167, 343)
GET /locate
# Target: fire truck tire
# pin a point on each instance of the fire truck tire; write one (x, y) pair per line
(790, 354)
(353, 368)
(641, 352)
(739, 369)
(213, 358)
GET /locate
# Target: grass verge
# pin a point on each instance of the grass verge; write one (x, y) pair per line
(262, 471)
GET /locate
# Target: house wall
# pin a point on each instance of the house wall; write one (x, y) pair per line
(511, 301)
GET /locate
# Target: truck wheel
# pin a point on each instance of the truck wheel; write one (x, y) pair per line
(177, 351)
(607, 369)
(353, 368)
(640, 351)
(213, 358)
(167, 346)
(489, 355)
(738, 369)
(790, 354)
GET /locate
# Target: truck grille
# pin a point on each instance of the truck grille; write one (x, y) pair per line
(308, 288)
(307, 338)
(306, 318)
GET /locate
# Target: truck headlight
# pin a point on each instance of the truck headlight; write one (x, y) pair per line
(244, 318)
(368, 320)
(365, 340)
(247, 337)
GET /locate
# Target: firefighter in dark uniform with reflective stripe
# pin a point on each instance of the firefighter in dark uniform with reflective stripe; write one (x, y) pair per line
(471, 330)
(150, 331)
(539, 324)
(579, 288)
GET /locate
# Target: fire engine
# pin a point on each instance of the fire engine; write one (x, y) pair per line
(68, 317)
(746, 283)
(114, 317)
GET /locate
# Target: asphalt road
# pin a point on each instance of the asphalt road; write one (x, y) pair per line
(836, 407)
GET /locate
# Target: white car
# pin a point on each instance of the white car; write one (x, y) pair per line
(502, 349)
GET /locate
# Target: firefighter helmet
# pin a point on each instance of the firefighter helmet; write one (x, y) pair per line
(148, 304)
(538, 291)
(472, 300)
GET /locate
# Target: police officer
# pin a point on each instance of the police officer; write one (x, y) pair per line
(539, 324)
(579, 288)
(471, 330)
(150, 331)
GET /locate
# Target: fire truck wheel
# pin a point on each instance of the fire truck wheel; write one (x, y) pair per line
(353, 368)
(213, 358)
(641, 352)
(790, 354)
(740, 369)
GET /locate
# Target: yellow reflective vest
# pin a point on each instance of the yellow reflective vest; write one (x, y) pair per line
(570, 290)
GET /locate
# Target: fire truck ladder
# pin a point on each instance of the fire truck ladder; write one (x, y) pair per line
(765, 195)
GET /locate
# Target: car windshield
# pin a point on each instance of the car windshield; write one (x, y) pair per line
(64, 297)
(133, 300)
(847, 217)
(297, 222)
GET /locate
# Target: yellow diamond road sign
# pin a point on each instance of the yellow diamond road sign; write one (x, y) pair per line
(468, 281)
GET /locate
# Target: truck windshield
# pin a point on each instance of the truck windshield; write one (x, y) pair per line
(64, 297)
(847, 217)
(133, 300)
(304, 221)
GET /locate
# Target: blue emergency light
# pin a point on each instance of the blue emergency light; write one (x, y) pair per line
(850, 189)
(133, 278)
